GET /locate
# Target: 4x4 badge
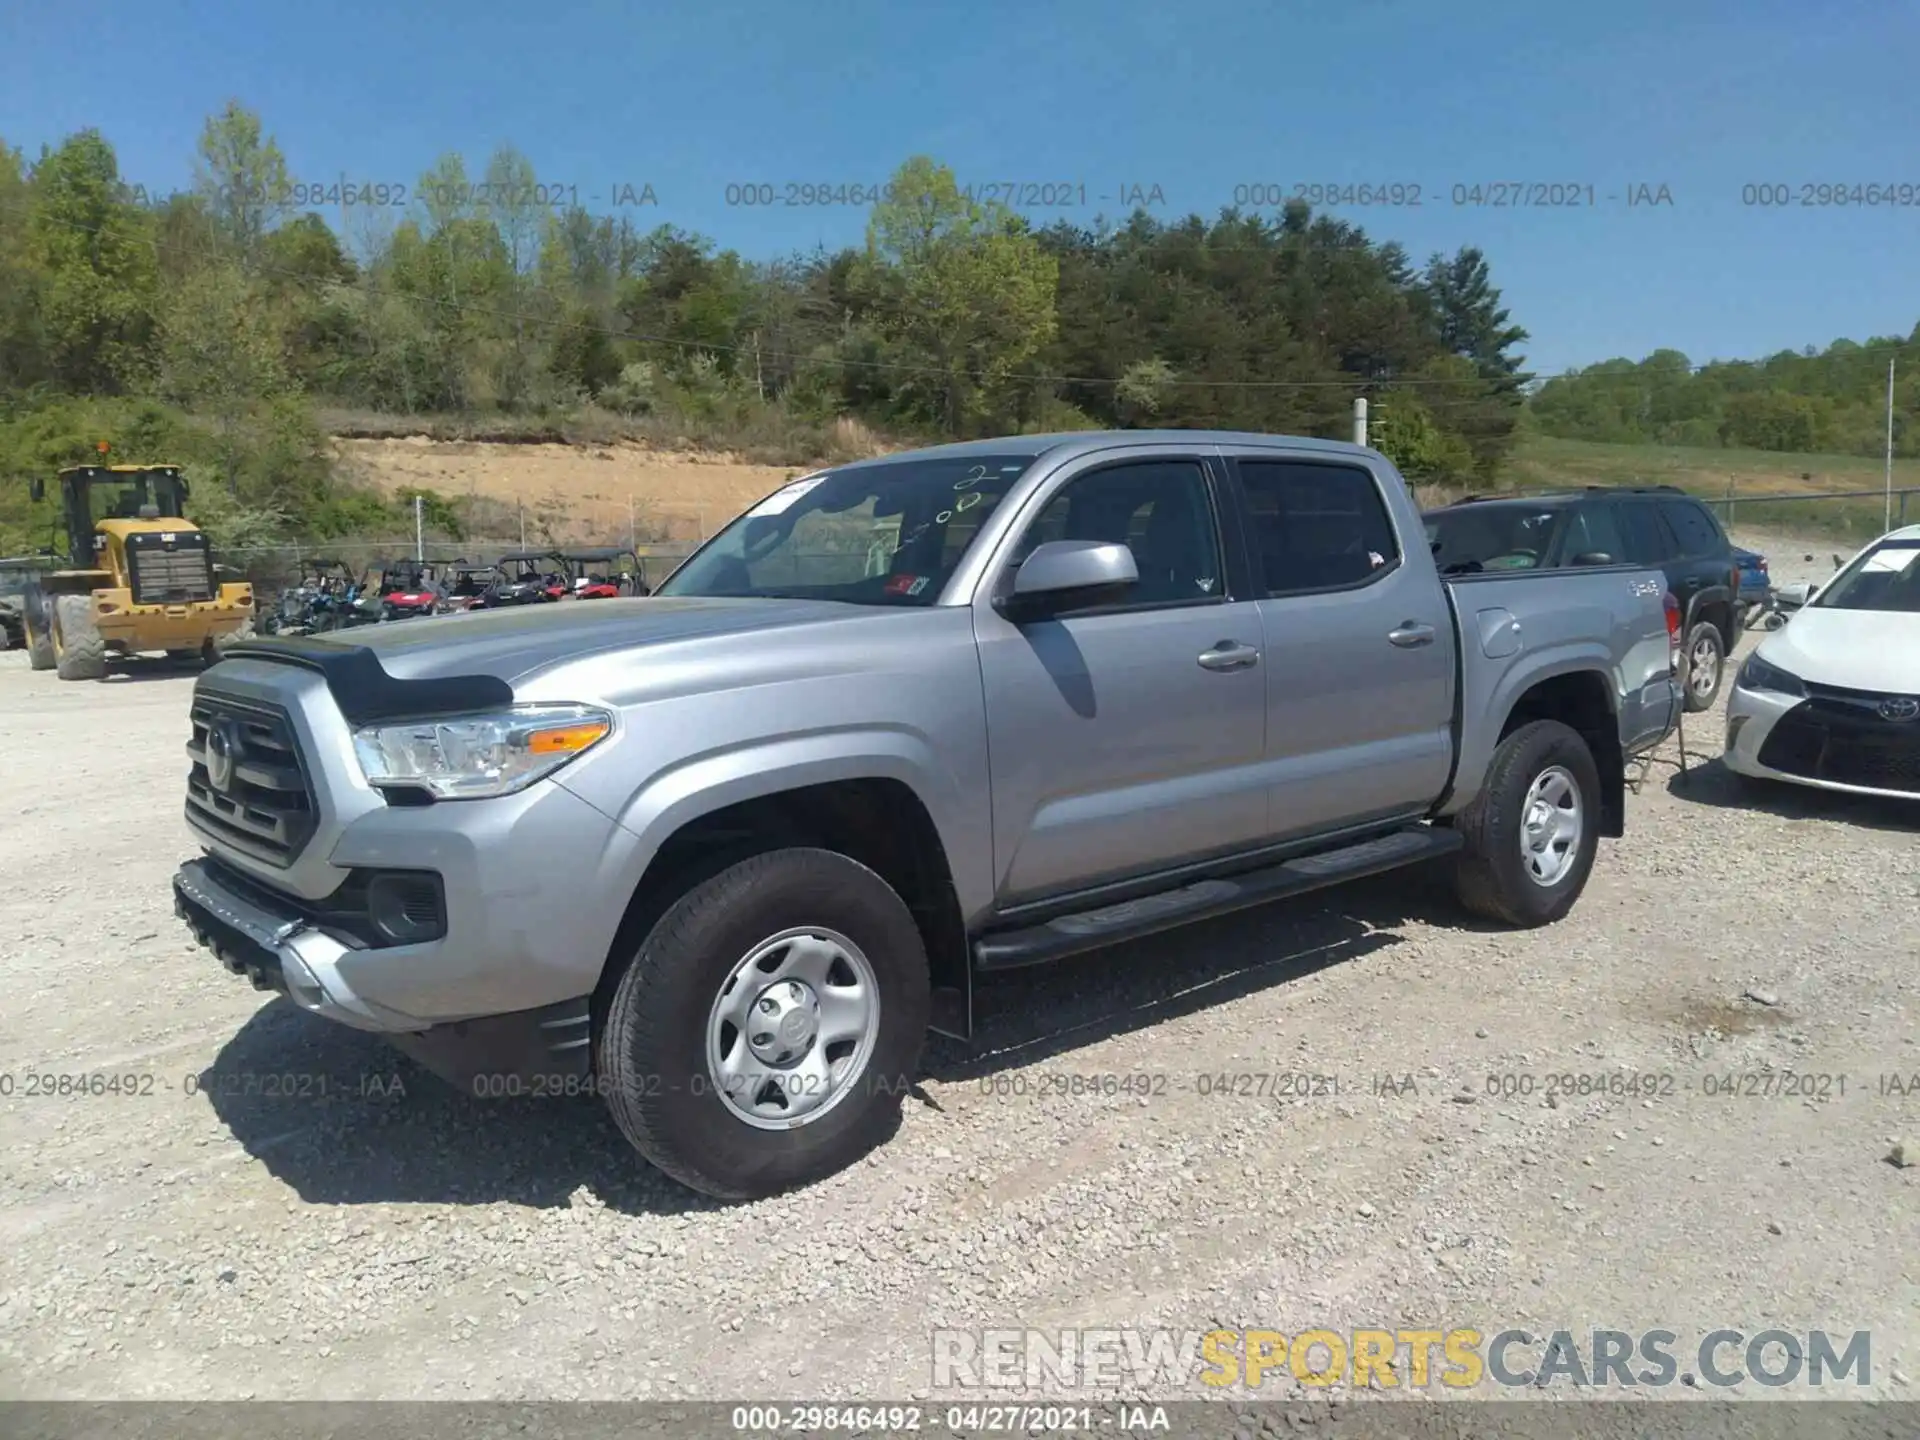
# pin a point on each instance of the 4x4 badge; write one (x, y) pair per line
(1644, 587)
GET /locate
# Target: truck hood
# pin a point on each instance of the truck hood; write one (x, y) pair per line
(1851, 649)
(512, 643)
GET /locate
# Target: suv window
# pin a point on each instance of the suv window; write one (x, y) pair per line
(1316, 526)
(1591, 531)
(1695, 528)
(1157, 508)
(1649, 542)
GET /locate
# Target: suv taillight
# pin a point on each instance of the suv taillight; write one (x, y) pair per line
(1673, 631)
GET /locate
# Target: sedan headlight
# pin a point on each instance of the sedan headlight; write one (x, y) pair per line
(471, 757)
(1757, 674)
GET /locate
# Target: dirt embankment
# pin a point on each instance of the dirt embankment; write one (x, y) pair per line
(582, 491)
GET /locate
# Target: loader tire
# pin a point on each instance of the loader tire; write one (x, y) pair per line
(39, 638)
(78, 651)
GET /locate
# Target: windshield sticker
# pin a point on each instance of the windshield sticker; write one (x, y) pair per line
(1897, 559)
(782, 499)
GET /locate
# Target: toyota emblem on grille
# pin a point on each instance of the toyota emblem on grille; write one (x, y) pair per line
(1899, 707)
(223, 748)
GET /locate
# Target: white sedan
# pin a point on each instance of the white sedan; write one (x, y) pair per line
(1832, 698)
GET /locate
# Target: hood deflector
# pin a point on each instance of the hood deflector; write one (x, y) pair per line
(363, 689)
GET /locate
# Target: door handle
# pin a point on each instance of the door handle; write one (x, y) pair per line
(1411, 634)
(1229, 655)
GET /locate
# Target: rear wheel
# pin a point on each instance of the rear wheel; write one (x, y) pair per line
(1532, 832)
(78, 651)
(39, 638)
(1706, 658)
(765, 1032)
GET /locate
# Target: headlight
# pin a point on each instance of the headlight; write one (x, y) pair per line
(1757, 674)
(470, 757)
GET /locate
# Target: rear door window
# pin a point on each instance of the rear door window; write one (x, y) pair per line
(1648, 540)
(1698, 534)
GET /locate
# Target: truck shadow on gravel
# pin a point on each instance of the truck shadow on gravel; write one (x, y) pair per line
(1712, 783)
(344, 1119)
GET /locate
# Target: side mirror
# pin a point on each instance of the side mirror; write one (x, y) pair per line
(1063, 573)
(1593, 557)
(36, 489)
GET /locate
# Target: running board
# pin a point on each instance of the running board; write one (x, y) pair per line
(1129, 920)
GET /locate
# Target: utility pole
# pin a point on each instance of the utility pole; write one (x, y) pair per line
(1360, 421)
(522, 506)
(419, 529)
(633, 529)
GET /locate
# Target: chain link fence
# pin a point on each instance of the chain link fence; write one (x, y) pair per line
(1858, 515)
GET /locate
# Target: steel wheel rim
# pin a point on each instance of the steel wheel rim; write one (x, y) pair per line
(1551, 823)
(792, 1028)
(1701, 666)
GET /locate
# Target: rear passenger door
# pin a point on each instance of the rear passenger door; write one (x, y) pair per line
(1360, 653)
(1705, 556)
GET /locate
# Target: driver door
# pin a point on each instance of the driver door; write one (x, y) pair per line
(1126, 739)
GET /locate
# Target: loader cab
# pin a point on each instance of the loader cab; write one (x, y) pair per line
(93, 494)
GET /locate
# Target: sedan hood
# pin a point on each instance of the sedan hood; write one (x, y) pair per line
(510, 644)
(1851, 649)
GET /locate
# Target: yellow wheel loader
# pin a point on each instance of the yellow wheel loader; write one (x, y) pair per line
(142, 578)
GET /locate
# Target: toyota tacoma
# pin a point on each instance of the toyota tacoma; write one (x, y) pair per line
(724, 856)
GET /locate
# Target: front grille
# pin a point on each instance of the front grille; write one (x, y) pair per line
(265, 809)
(1839, 736)
(169, 568)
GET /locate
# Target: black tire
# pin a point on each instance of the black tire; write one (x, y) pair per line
(78, 651)
(1490, 876)
(1706, 638)
(215, 648)
(652, 1055)
(38, 632)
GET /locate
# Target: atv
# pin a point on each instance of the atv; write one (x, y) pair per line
(406, 588)
(464, 584)
(525, 578)
(321, 600)
(604, 574)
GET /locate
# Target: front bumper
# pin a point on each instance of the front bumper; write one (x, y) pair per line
(279, 950)
(1780, 737)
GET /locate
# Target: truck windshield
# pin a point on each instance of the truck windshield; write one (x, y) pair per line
(1474, 537)
(885, 534)
(1886, 578)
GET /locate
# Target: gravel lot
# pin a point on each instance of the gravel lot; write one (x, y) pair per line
(393, 1238)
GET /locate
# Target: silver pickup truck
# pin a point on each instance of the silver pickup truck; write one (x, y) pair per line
(723, 856)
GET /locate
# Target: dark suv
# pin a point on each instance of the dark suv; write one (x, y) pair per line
(1658, 527)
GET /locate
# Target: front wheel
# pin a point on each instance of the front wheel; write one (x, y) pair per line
(1533, 830)
(79, 652)
(765, 1032)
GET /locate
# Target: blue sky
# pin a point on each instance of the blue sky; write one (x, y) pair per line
(1193, 96)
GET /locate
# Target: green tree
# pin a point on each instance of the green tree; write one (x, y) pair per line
(974, 290)
(219, 356)
(95, 251)
(241, 178)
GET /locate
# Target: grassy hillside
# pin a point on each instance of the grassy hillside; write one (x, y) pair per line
(1540, 462)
